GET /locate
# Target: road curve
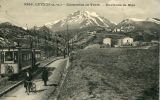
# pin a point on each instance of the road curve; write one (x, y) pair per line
(42, 91)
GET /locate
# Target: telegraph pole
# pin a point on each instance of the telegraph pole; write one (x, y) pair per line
(31, 47)
(68, 40)
(36, 38)
(46, 45)
(56, 45)
(72, 44)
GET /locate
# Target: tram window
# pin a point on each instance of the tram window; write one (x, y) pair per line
(38, 55)
(29, 56)
(15, 57)
(9, 56)
(24, 57)
(2, 57)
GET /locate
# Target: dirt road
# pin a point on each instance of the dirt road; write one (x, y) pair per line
(43, 92)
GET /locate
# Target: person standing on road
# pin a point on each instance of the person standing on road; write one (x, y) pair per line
(45, 76)
(27, 80)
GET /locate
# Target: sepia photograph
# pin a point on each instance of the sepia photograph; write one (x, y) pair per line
(79, 49)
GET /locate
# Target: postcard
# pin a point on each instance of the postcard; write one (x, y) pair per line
(79, 49)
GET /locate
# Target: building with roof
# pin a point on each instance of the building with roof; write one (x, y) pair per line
(107, 42)
(126, 41)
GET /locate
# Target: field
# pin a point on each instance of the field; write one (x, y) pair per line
(112, 74)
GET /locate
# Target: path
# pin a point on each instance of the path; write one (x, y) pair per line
(43, 92)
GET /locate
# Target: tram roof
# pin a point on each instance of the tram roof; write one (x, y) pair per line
(16, 49)
(8, 49)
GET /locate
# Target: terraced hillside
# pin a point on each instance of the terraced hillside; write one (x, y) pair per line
(112, 74)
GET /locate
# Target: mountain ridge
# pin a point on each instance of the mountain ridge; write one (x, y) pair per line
(132, 24)
(80, 19)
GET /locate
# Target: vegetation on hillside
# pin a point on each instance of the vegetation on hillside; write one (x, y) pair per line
(42, 38)
(112, 74)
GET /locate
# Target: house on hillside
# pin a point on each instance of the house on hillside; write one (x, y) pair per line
(92, 33)
(136, 43)
(155, 41)
(107, 42)
(117, 30)
(126, 41)
(108, 29)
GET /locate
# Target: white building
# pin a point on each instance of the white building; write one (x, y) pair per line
(107, 41)
(136, 43)
(126, 41)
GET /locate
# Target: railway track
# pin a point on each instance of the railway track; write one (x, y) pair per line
(14, 84)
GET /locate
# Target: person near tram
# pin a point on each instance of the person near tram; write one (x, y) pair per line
(45, 76)
(28, 81)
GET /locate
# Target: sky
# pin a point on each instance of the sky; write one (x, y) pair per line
(16, 12)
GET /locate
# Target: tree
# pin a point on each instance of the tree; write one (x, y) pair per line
(139, 38)
(148, 37)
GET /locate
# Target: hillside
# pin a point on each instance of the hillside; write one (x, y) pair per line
(148, 28)
(11, 34)
(132, 24)
(112, 74)
(40, 38)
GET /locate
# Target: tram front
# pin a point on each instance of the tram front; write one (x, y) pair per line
(9, 63)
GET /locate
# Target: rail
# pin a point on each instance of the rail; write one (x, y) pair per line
(4, 80)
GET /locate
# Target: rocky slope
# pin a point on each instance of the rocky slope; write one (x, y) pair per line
(80, 19)
(132, 24)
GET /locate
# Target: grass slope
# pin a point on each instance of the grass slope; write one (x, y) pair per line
(112, 74)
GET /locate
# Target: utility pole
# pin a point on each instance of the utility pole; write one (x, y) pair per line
(56, 45)
(46, 45)
(31, 47)
(72, 44)
(68, 40)
(36, 38)
(29, 36)
(51, 40)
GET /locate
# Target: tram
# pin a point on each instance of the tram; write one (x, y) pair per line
(15, 60)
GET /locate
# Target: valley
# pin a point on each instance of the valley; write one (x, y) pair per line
(107, 61)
